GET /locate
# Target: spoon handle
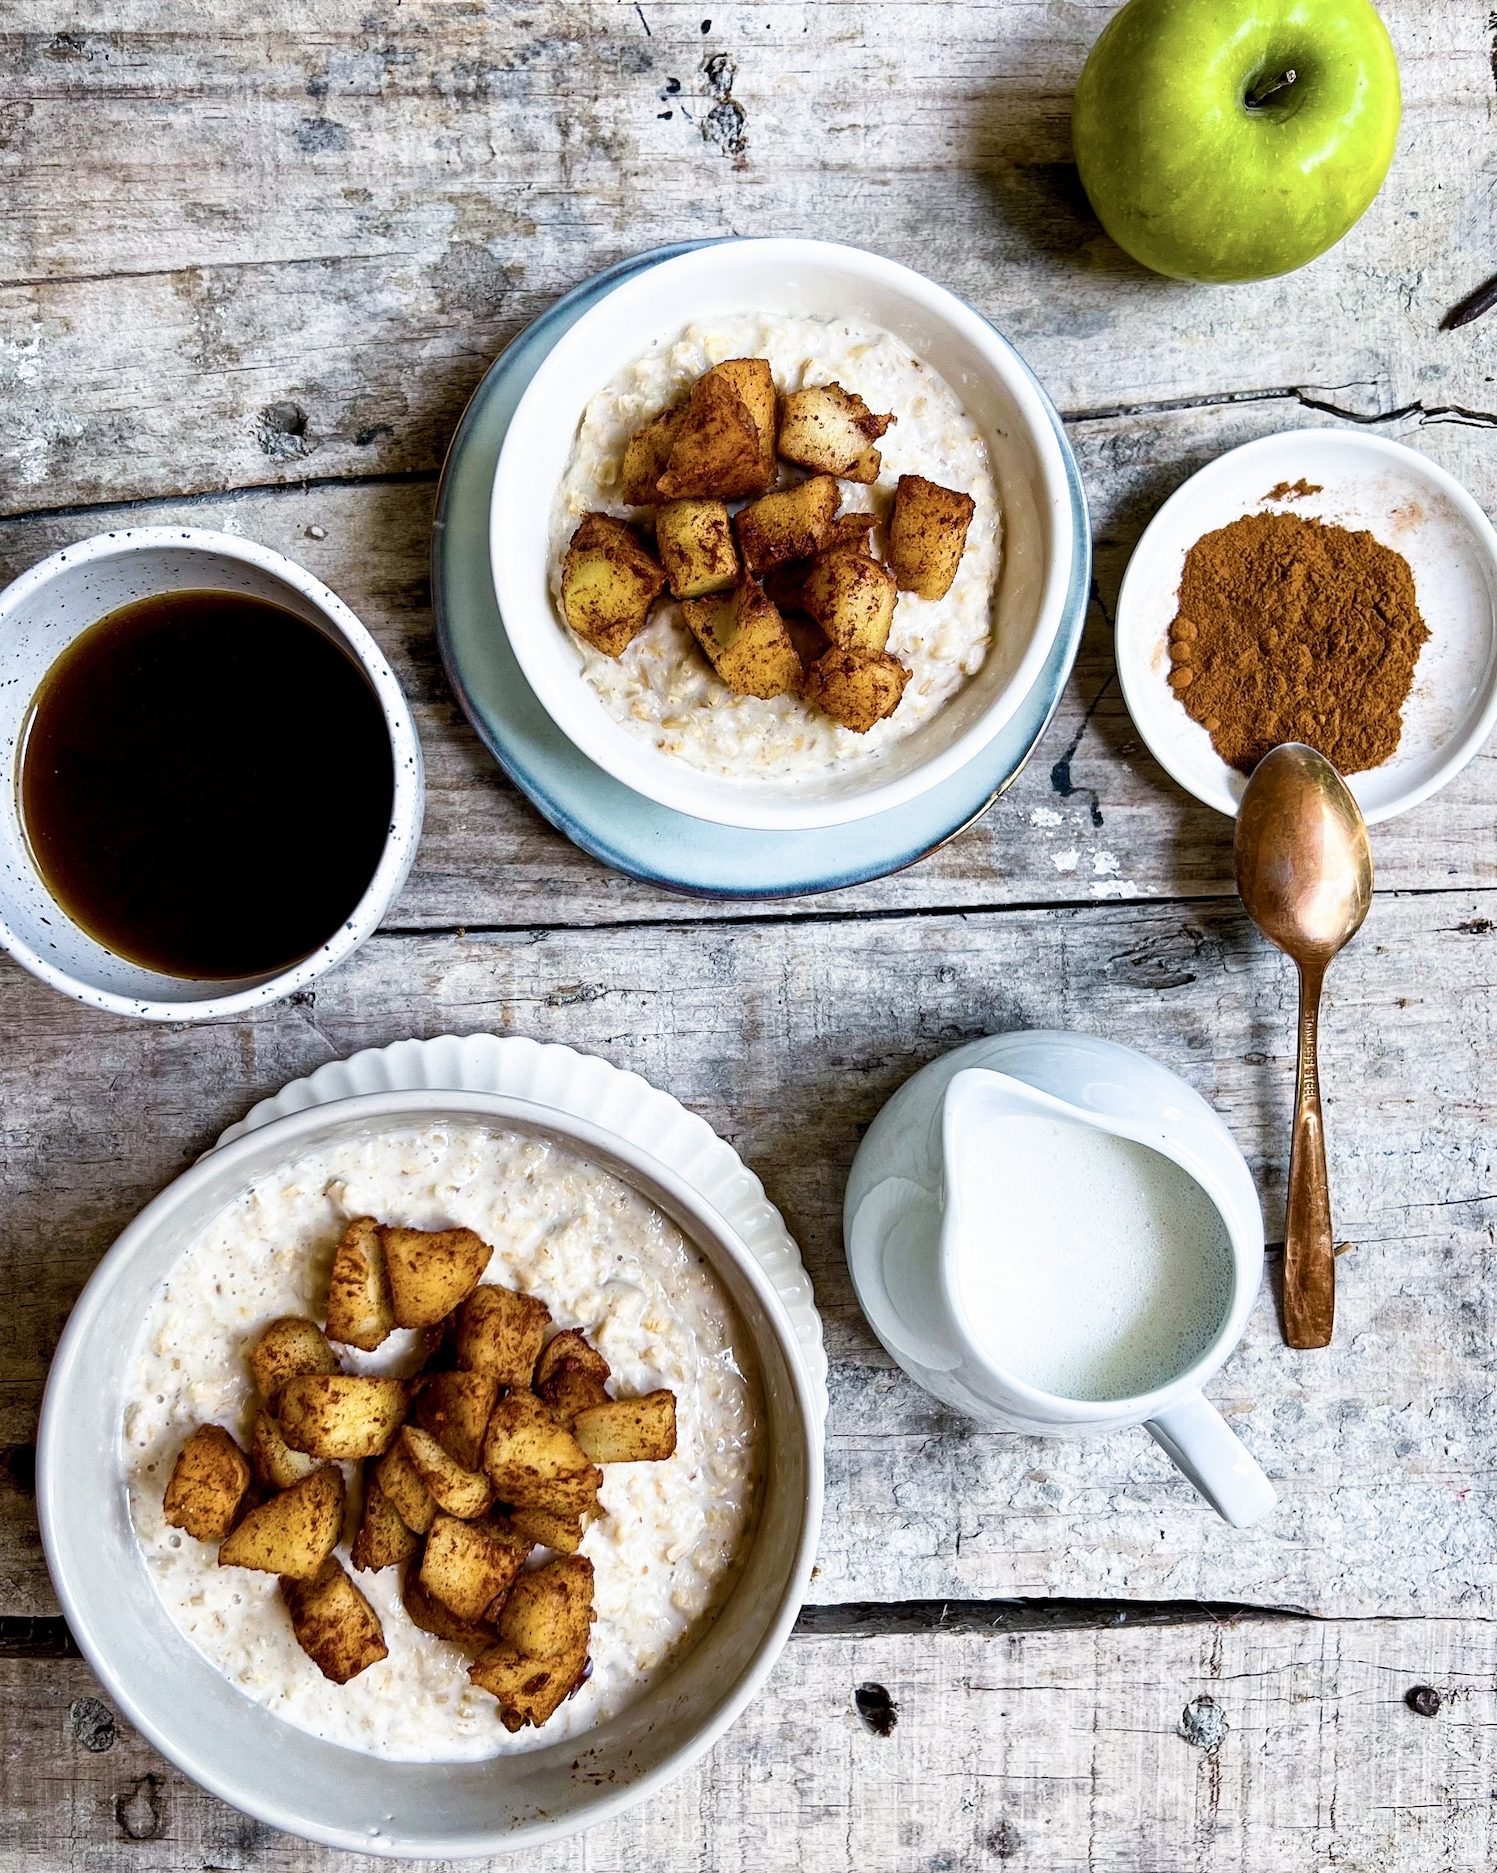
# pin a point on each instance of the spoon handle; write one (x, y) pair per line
(1309, 1252)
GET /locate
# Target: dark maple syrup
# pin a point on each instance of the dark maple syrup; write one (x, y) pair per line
(205, 784)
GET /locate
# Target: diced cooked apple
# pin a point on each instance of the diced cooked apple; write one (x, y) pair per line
(695, 542)
(549, 1609)
(288, 1348)
(856, 687)
(570, 1347)
(456, 1491)
(849, 532)
(528, 1690)
(752, 379)
(791, 523)
(645, 457)
(274, 1462)
(717, 450)
(745, 640)
(831, 429)
(927, 535)
(533, 1460)
(334, 1624)
(571, 1373)
(358, 1293)
(852, 598)
(609, 583)
(629, 1430)
(454, 1407)
(336, 1416)
(571, 1388)
(547, 1529)
(499, 1331)
(208, 1483)
(294, 1532)
(383, 1539)
(432, 1271)
(404, 1488)
(427, 1612)
(466, 1565)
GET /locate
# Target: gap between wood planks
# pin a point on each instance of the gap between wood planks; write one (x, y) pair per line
(769, 918)
(31, 1637)
(1309, 397)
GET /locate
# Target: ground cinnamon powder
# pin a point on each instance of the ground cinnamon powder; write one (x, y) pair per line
(1289, 629)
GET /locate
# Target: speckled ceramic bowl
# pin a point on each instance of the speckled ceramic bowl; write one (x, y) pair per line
(40, 615)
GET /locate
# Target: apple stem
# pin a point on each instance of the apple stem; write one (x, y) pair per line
(1264, 88)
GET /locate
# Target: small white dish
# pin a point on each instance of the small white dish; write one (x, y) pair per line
(1410, 504)
(239, 1749)
(903, 1209)
(41, 613)
(798, 278)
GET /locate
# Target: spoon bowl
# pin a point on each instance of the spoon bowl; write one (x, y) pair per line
(1304, 873)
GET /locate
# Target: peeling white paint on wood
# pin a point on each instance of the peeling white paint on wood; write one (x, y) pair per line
(342, 219)
(1253, 1748)
(788, 1037)
(487, 859)
(258, 257)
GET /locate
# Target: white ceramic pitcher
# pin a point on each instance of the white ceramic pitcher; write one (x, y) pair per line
(904, 1205)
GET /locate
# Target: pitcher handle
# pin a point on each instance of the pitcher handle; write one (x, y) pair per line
(1195, 1437)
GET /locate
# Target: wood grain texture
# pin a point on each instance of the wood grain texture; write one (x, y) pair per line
(291, 251)
(1206, 1749)
(1091, 819)
(788, 1036)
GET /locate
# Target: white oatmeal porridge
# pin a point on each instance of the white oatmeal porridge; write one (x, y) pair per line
(661, 688)
(602, 1258)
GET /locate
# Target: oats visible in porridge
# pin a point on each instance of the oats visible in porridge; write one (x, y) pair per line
(610, 1268)
(661, 687)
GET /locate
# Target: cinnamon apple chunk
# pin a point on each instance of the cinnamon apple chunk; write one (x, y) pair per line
(293, 1533)
(695, 540)
(852, 598)
(831, 429)
(752, 380)
(338, 1416)
(645, 456)
(608, 584)
(528, 1690)
(334, 1624)
(717, 453)
(533, 1460)
(208, 1484)
(629, 1430)
(745, 640)
(358, 1293)
(856, 688)
(927, 535)
(791, 523)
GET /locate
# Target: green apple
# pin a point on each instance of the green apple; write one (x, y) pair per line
(1235, 139)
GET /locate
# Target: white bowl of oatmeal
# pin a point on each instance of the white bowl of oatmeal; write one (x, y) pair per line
(969, 416)
(700, 1561)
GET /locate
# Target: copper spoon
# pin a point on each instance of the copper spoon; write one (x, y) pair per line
(1304, 871)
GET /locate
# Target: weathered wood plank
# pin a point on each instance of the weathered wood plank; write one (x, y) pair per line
(291, 251)
(788, 1037)
(1091, 818)
(1206, 1749)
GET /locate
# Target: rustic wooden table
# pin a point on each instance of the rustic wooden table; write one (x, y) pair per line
(253, 258)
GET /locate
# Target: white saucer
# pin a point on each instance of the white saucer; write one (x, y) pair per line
(1411, 505)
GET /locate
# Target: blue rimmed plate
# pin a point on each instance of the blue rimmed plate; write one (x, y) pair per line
(600, 814)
